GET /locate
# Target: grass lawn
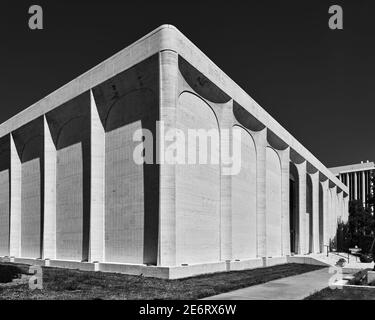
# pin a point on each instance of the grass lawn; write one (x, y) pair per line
(344, 294)
(73, 284)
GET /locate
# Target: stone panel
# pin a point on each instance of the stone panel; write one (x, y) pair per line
(273, 204)
(244, 242)
(197, 192)
(31, 210)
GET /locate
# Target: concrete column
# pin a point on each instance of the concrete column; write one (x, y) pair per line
(348, 179)
(285, 200)
(15, 201)
(97, 201)
(315, 211)
(355, 186)
(49, 230)
(260, 139)
(363, 189)
(226, 122)
(167, 208)
(325, 190)
(349, 185)
(302, 246)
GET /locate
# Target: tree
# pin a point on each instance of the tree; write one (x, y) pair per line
(360, 229)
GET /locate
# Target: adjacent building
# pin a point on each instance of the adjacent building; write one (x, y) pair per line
(359, 180)
(71, 194)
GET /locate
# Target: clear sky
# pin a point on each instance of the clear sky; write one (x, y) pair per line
(318, 83)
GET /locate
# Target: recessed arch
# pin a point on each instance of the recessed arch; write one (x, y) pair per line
(244, 193)
(201, 84)
(273, 203)
(128, 109)
(294, 208)
(197, 190)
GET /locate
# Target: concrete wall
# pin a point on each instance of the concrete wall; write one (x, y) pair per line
(124, 198)
(69, 222)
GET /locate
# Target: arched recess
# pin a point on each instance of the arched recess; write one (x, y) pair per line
(29, 143)
(321, 218)
(197, 190)
(244, 192)
(273, 203)
(131, 215)
(294, 208)
(126, 103)
(69, 125)
(309, 213)
(32, 198)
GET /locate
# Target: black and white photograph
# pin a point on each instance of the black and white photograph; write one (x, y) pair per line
(199, 154)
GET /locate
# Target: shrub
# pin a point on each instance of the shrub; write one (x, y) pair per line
(8, 273)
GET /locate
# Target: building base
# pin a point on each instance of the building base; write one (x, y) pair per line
(169, 273)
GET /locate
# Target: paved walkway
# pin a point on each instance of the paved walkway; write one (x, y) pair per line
(290, 288)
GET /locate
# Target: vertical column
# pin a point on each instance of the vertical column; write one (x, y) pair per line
(349, 185)
(15, 201)
(261, 143)
(333, 212)
(355, 186)
(315, 211)
(325, 190)
(97, 201)
(301, 168)
(285, 199)
(49, 230)
(167, 214)
(226, 122)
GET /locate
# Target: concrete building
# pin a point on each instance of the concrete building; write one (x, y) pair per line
(358, 179)
(72, 196)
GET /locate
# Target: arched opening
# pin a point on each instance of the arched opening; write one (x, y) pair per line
(273, 203)
(197, 189)
(244, 202)
(293, 209)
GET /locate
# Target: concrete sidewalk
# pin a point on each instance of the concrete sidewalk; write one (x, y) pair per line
(290, 288)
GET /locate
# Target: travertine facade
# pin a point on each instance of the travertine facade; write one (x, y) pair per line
(72, 196)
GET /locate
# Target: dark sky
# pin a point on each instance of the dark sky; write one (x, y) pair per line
(318, 83)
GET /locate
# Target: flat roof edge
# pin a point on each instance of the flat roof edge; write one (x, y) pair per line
(165, 37)
(162, 38)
